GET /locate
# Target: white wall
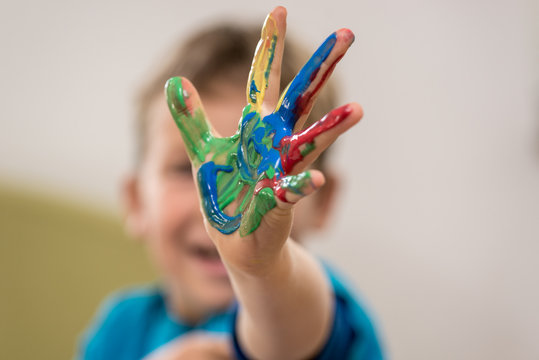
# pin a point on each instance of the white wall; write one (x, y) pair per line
(439, 227)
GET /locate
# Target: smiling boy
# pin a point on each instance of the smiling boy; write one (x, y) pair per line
(274, 299)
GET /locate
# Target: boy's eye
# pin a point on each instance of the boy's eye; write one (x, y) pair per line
(181, 169)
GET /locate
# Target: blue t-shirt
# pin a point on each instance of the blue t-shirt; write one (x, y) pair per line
(133, 323)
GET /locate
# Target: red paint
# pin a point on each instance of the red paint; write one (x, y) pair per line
(275, 185)
(304, 100)
(289, 147)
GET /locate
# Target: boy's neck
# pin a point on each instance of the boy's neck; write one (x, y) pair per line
(186, 309)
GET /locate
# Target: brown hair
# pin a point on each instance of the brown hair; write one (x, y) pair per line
(222, 52)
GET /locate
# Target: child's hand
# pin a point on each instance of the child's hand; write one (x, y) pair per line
(249, 182)
(200, 346)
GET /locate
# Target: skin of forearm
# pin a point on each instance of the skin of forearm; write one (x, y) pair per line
(284, 313)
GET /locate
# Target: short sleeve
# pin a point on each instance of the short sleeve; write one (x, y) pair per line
(98, 342)
(352, 334)
(339, 343)
(119, 331)
(342, 335)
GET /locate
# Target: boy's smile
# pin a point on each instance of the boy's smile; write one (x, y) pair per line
(165, 208)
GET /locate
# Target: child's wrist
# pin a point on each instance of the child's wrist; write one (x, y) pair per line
(268, 267)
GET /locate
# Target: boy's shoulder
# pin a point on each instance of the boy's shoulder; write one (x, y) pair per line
(359, 318)
(127, 311)
(130, 306)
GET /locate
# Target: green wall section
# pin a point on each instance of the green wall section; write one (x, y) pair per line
(58, 260)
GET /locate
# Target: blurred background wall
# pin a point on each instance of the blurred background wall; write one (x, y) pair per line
(438, 221)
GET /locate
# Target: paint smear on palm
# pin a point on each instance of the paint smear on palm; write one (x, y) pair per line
(249, 169)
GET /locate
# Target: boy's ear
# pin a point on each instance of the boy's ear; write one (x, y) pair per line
(325, 200)
(134, 221)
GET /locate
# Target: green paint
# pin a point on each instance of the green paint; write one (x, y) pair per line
(193, 126)
(228, 190)
(270, 60)
(307, 149)
(195, 129)
(246, 200)
(263, 202)
(296, 183)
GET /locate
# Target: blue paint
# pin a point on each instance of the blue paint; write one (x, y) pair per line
(248, 122)
(253, 91)
(289, 110)
(207, 180)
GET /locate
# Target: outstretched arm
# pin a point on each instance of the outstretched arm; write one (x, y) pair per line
(249, 184)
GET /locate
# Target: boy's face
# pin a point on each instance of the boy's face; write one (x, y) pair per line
(163, 205)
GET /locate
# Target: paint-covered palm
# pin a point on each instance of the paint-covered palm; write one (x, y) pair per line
(243, 177)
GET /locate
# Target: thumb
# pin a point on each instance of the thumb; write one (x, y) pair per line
(291, 189)
(272, 208)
